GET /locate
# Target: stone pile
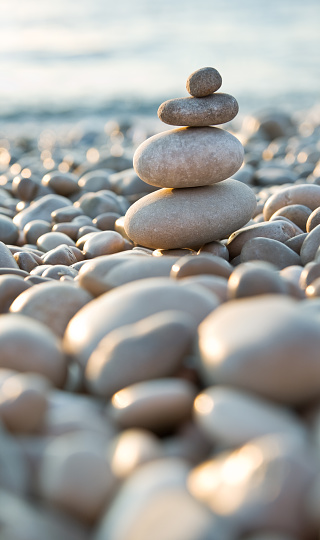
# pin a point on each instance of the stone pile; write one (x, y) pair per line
(198, 202)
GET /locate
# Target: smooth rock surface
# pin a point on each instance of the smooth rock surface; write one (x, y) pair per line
(40, 209)
(305, 194)
(10, 288)
(203, 82)
(310, 246)
(188, 157)
(172, 218)
(207, 111)
(9, 232)
(255, 278)
(6, 258)
(269, 250)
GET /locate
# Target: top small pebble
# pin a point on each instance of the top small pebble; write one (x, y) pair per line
(203, 82)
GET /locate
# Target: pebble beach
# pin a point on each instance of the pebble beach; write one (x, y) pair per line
(159, 326)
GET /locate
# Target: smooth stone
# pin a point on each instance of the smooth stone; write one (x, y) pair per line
(255, 278)
(53, 304)
(216, 284)
(296, 242)
(298, 213)
(129, 304)
(260, 486)
(9, 232)
(6, 258)
(103, 243)
(128, 183)
(94, 204)
(51, 240)
(96, 180)
(29, 345)
(310, 246)
(65, 184)
(173, 252)
(34, 229)
(76, 476)
(85, 230)
(106, 273)
(23, 402)
(157, 404)
(152, 348)
(191, 217)
(269, 250)
(188, 157)
(40, 209)
(157, 505)
(189, 443)
(279, 230)
(203, 82)
(58, 271)
(295, 227)
(69, 228)
(207, 111)
(309, 273)
(304, 194)
(231, 417)
(27, 261)
(10, 287)
(215, 248)
(140, 444)
(204, 264)
(271, 351)
(313, 220)
(106, 221)
(82, 240)
(62, 254)
(66, 215)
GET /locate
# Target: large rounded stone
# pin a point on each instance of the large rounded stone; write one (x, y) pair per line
(266, 345)
(129, 304)
(191, 217)
(194, 112)
(188, 157)
(304, 194)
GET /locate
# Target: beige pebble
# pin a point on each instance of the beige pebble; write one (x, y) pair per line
(97, 203)
(175, 218)
(255, 278)
(28, 345)
(103, 243)
(304, 194)
(203, 82)
(190, 111)
(200, 265)
(23, 402)
(76, 476)
(188, 157)
(66, 214)
(129, 304)
(62, 254)
(61, 183)
(69, 228)
(216, 284)
(310, 245)
(10, 287)
(313, 220)
(106, 221)
(35, 228)
(269, 250)
(298, 213)
(295, 227)
(58, 271)
(279, 230)
(272, 349)
(40, 209)
(27, 261)
(215, 248)
(158, 404)
(231, 417)
(52, 304)
(51, 240)
(153, 347)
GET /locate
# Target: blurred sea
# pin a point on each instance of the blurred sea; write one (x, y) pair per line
(105, 56)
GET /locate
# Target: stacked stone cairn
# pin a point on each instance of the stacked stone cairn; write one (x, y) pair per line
(198, 201)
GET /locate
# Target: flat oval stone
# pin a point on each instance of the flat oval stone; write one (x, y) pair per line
(298, 213)
(304, 194)
(40, 209)
(188, 157)
(207, 111)
(9, 232)
(269, 250)
(129, 304)
(203, 264)
(103, 243)
(48, 241)
(177, 218)
(272, 350)
(255, 278)
(203, 82)
(62, 183)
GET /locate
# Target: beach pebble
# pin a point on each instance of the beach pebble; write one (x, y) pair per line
(231, 417)
(27, 261)
(215, 248)
(279, 230)
(52, 304)
(48, 241)
(97, 203)
(129, 304)
(310, 246)
(170, 219)
(199, 265)
(153, 347)
(103, 243)
(106, 221)
(295, 227)
(271, 351)
(69, 228)
(203, 82)
(157, 404)
(298, 213)
(10, 287)
(313, 220)
(62, 254)
(269, 250)
(296, 242)
(309, 273)
(305, 194)
(96, 180)
(28, 345)
(76, 476)
(7, 260)
(61, 183)
(208, 111)
(216, 284)
(188, 157)
(23, 401)
(40, 209)
(9, 232)
(34, 229)
(255, 278)
(57, 271)
(66, 214)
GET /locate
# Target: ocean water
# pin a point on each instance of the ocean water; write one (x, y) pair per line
(65, 55)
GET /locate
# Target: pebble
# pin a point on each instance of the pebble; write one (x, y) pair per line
(52, 304)
(106, 221)
(10, 287)
(199, 265)
(296, 242)
(7, 260)
(310, 246)
(96, 180)
(309, 273)
(313, 220)
(27, 261)
(65, 184)
(305, 194)
(62, 254)
(48, 241)
(190, 217)
(269, 250)
(40, 209)
(129, 304)
(34, 229)
(158, 404)
(97, 203)
(215, 248)
(188, 157)
(207, 111)
(66, 214)
(255, 278)
(59, 270)
(103, 243)
(216, 284)
(9, 232)
(28, 345)
(271, 351)
(203, 82)
(298, 213)
(153, 347)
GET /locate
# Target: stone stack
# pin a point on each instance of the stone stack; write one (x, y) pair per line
(198, 202)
